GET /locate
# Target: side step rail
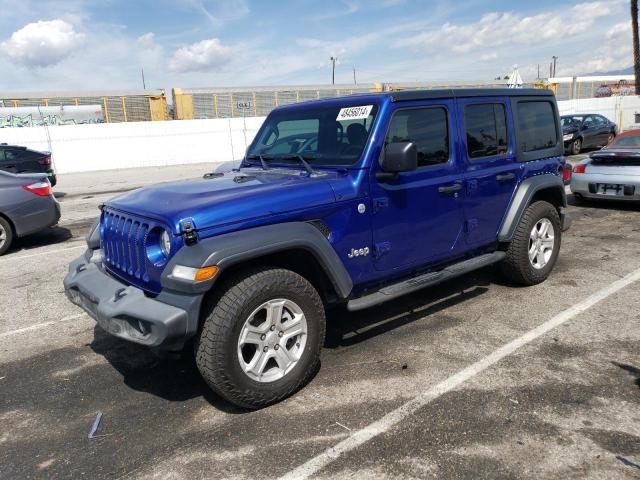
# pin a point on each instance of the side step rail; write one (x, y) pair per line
(427, 280)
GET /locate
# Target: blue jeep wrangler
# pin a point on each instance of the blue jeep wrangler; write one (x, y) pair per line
(352, 201)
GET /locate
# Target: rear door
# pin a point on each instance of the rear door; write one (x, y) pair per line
(590, 132)
(491, 170)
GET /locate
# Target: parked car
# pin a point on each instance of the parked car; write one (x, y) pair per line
(586, 131)
(612, 173)
(16, 159)
(27, 206)
(369, 198)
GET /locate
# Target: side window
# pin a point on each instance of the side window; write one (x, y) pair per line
(428, 128)
(600, 121)
(486, 129)
(589, 121)
(536, 126)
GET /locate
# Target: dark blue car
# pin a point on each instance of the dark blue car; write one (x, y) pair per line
(350, 201)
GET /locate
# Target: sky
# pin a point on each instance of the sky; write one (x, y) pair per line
(104, 44)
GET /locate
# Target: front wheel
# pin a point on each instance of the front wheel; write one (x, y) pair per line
(261, 339)
(534, 249)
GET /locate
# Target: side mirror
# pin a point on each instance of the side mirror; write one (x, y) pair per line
(397, 158)
(585, 127)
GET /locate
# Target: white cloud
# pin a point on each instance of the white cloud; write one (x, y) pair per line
(501, 29)
(147, 41)
(489, 56)
(200, 56)
(42, 43)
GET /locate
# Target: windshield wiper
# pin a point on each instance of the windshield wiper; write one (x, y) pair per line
(259, 157)
(304, 163)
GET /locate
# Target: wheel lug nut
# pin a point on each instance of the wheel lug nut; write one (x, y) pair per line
(273, 327)
(280, 334)
(263, 336)
(276, 347)
(265, 349)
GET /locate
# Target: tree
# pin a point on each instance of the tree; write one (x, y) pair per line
(636, 43)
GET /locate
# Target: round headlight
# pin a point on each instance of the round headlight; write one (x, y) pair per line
(165, 243)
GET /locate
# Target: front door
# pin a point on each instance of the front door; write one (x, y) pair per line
(491, 170)
(418, 217)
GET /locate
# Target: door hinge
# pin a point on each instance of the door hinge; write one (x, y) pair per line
(189, 233)
(472, 186)
(471, 225)
(379, 249)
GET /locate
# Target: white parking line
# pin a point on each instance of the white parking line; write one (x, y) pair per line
(396, 416)
(40, 325)
(48, 252)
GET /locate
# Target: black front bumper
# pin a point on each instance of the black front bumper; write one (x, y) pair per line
(126, 311)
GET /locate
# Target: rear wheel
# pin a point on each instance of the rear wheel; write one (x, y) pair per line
(576, 146)
(261, 338)
(6, 236)
(534, 249)
(610, 138)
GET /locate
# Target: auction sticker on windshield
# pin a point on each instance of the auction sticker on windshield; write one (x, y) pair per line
(354, 113)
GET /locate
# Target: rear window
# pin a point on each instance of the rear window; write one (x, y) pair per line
(536, 126)
(486, 129)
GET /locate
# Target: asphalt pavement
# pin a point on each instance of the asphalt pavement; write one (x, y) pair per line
(475, 378)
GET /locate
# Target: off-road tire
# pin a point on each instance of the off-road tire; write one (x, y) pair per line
(576, 146)
(516, 266)
(6, 231)
(224, 316)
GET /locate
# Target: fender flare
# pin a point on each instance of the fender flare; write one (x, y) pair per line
(522, 199)
(230, 249)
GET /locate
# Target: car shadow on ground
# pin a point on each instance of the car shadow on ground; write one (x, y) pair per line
(176, 377)
(346, 328)
(172, 377)
(603, 204)
(50, 236)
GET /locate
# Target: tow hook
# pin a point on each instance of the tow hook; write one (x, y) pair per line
(188, 232)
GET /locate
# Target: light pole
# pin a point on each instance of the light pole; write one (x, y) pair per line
(333, 70)
(555, 59)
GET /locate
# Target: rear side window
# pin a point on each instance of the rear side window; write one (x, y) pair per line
(428, 128)
(486, 129)
(536, 126)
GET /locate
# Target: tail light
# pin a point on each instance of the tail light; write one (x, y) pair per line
(566, 174)
(42, 189)
(579, 169)
(45, 161)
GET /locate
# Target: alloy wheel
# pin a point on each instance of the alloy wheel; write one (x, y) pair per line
(541, 243)
(272, 340)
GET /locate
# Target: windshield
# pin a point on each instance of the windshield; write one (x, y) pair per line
(571, 121)
(327, 135)
(627, 142)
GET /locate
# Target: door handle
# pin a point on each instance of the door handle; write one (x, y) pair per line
(505, 177)
(456, 187)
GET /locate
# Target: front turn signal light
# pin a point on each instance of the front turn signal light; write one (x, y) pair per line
(206, 273)
(194, 274)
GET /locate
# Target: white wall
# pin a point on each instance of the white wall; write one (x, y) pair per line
(81, 148)
(620, 110)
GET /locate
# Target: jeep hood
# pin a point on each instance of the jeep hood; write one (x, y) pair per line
(230, 198)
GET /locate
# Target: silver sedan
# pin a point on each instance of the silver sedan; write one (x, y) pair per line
(611, 173)
(27, 206)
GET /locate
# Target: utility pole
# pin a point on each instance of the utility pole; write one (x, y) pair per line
(538, 71)
(555, 59)
(144, 86)
(354, 75)
(333, 70)
(636, 43)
